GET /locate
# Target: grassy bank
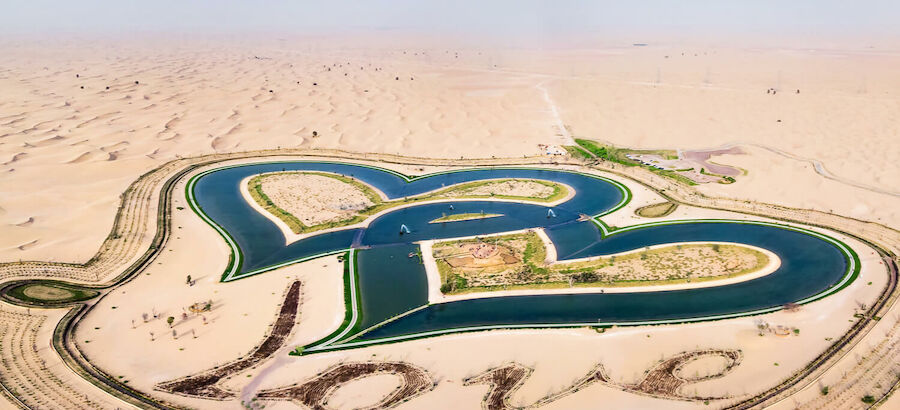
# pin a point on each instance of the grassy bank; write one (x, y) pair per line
(577, 152)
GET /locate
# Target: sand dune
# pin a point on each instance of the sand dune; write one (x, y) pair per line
(96, 119)
(15, 158)
(84, 156)
(167, 136)
(114, 146)
(206, 97)
(14, 121)
(48, 141)
(27, 245)
(217, 143)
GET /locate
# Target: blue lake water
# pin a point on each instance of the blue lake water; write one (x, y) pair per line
(262, 242)
(391, 283)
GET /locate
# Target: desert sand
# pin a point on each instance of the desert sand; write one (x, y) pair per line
(207, 97)
(81, 119)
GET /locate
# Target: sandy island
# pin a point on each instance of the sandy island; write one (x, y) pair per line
(435, 295)
(337, 197)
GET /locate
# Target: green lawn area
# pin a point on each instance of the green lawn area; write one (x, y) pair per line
(577, 152)
(50, 293)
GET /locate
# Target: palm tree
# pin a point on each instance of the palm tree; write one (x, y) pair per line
(170, 320)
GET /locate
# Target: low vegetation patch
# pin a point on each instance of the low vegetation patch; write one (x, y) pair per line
(614, 154)
(577, 152)
(656, 210)
(518, 261)
(619, 155)
(464, 217)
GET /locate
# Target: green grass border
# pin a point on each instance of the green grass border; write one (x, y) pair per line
(577, 152)
(254, 187)
(672, 206)
(352, 301)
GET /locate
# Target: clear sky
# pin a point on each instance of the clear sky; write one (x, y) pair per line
(827, 18)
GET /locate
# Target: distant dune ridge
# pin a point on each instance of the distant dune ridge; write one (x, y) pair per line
(146, 102)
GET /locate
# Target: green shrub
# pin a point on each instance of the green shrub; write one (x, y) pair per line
(585, 277)
(577, 152)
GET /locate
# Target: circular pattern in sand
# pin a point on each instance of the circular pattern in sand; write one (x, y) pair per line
(46, 293)
(50, 293)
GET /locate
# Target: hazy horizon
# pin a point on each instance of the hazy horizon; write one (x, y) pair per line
(798, 23)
